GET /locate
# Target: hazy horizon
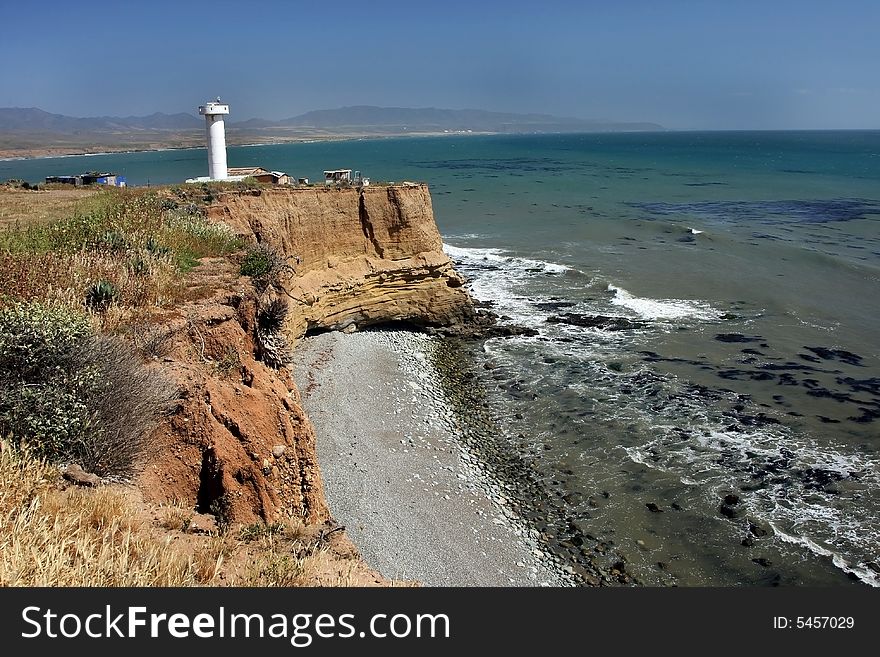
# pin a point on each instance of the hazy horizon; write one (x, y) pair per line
(690, 66)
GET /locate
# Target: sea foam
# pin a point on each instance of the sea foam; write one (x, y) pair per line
(503, 284)
(663, 308)
(499, 256)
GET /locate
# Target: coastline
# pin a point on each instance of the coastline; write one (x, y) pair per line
(47, 154)
(412, 497)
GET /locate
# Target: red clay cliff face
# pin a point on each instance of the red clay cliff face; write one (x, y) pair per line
(238, 445)
(360, 257)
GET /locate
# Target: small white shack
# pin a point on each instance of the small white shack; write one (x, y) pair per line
(337, 177)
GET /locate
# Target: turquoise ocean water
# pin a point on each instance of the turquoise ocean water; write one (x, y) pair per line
(748, 266)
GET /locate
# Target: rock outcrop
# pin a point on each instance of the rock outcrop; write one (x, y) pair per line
(239, 445)
(358, 257)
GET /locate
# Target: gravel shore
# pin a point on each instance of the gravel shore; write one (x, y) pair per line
(416, 503)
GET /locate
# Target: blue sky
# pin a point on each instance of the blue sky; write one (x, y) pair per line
(684, 64)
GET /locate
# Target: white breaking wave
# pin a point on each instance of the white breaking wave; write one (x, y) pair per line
(498, 256)
(801, 516)
(863, 573)
(664, 308)
(467, 236)
(503, 284)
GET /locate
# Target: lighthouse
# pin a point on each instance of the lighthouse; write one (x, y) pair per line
(214, 111)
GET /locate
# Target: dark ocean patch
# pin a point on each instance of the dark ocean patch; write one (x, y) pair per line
(871, 385)
(868, 415)
(836, 354)
(789, 366)
(654, 357)
(743, 375)
(794, 211)
(508, 165)
(737, 337)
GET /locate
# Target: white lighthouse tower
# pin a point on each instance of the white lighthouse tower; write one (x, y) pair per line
(214, 111)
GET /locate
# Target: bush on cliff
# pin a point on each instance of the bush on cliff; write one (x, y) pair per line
(73, 395)
(263, 264)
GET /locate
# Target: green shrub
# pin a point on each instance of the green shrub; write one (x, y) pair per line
(264, 265)
(101, 294)
(38, 339)
(73, 395)
(42, 384)
(257, 261)
(138, 265)
(154, 248)
(111, 240)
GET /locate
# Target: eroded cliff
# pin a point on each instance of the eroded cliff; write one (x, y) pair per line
(359, 257)
(239, 444)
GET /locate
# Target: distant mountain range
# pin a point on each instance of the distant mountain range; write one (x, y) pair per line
(34, 120)
(433, 119)
(31, 131)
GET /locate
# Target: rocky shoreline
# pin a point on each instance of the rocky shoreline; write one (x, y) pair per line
(505, 449)
(425, 475)
(372, 257)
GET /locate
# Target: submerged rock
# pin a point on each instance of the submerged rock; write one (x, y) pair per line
(553, 305)
(836, 354)
(605, 322)
(480, 325)
(736, 337)
(756, 530)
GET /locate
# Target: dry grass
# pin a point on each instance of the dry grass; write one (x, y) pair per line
(176, 517)
(287, 558)
(66, 277)
(20, 206)
(52, 536)
(139, 242)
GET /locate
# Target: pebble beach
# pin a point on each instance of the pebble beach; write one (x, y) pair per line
(415, 500)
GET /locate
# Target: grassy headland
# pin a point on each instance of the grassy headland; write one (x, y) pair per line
(84, 279)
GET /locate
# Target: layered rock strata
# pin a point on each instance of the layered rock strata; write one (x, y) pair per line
(357, 257)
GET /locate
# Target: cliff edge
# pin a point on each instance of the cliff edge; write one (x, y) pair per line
(358, 257)
(239, 445)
